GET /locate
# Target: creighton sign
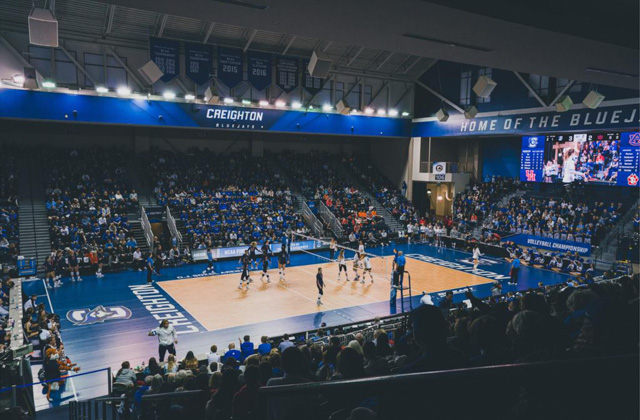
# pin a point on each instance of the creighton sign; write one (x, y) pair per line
(626, 116)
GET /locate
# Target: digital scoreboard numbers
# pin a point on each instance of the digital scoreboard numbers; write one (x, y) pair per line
(629, 160)
(532, 158)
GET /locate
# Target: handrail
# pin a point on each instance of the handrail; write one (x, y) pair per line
(146, 227)
(56, 379)
(162, 396)
(311, 218)
(330, 219)
(171, 223)
(408, 378)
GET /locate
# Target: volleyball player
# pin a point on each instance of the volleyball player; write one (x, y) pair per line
(320, 285)
(245, 260)
(252, 255)
(50, 273)
(367, 268)
(360, 248)
(283, 259)
(356, 265)
(266, 259)
(342, 265)
(74, 265)
(333, 246)
(476, 256)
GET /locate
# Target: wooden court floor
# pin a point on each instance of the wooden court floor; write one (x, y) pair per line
(216, 302)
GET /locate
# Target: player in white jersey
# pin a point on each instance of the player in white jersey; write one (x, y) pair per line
(356, 265)
(342, 265)
(476, 257)
(361, 248)
(367, 268)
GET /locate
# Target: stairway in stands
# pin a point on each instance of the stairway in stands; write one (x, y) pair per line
(35, 241)
(138, 233)
(389, 219)
(140, 182)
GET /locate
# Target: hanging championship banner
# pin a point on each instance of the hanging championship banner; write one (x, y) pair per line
(259, 72)
(166, 54)
(230, 66)
(313, 85)
(198, 62)
(287, 73)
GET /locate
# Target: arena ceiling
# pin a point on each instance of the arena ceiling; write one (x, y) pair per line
(401, 38)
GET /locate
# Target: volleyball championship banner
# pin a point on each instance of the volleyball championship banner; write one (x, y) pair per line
(549, 243)
(48, 106)
(230, 66)
(604, 117)
(259, 73)
(198, 59)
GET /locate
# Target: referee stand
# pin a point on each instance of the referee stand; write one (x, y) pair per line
(397, 285)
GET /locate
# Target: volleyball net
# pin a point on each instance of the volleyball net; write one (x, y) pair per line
(380, 268)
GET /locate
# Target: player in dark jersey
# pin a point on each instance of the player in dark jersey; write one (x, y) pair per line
(74, 266)
(252, 254)
(320, 286)
(283, 259)
(245, 260)
(266, 259)
(50, 272)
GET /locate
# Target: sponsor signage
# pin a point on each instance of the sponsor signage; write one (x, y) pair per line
(551, 244)
(604, 117)
(166, 54)
(27, 266)
(238, 251)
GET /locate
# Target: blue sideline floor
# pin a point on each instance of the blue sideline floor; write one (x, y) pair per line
(108, 343)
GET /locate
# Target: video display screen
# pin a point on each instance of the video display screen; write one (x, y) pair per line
(596, 158)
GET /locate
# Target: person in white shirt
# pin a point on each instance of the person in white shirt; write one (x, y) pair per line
(367, 268)
(213, 356)
(476, 257)
(409, 232)
(167, 338)
(342, 265)
(31, 303)
(137, 260)
(333, 247)
(361, 248)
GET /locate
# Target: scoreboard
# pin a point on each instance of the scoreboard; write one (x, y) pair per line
(599, 158)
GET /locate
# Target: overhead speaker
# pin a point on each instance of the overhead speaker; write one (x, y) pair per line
(564, 103)
(211, 96)
(150, 72)
(484, 86)
(30, 78)
(470, 112)
(319, 65)
(442, 115)
(43, 28)
(343, 107)
(593, 99)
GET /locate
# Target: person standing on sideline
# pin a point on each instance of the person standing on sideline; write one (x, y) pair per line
(210, 260)
(167, 338)
(333, 247)
(150, 269)
(476, 256)
(320, 286)
(515, 268)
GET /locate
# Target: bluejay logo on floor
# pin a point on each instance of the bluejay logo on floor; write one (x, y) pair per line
(98, 314)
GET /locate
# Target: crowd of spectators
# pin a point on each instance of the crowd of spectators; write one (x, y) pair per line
(87, 199)
(9, 245)
(389, 195)
(558, 218)
(479, 199)
(570, 320)
(320, 182)
(224, 200)
(42, 329)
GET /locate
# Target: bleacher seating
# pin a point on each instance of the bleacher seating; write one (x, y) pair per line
(318, 181)
(9, 243)
(479, 199)
(224, 200)
(88, 197)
